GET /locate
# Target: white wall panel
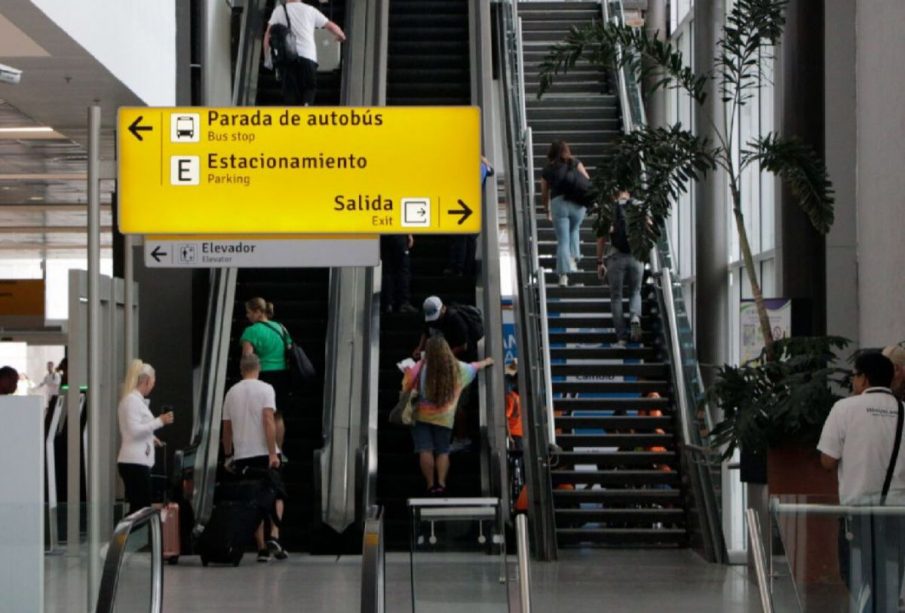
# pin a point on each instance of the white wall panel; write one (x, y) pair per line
(134, 39)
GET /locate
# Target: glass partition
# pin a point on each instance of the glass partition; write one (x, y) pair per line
(458, 556)
(829, 557)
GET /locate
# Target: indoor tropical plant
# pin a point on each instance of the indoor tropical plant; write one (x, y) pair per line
(656, 164)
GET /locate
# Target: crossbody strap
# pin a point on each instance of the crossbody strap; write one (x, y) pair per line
(281, 332)
(288, 22)
(897, 443)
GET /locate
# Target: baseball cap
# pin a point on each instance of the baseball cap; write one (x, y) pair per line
(432, 307)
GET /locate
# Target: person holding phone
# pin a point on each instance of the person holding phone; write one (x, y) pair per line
(137, 426)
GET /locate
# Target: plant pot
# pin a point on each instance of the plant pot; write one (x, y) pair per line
(810, 541)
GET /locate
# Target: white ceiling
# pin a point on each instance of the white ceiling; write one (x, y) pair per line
(43, 187)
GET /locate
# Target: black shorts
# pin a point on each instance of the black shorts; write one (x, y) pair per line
(261, 466)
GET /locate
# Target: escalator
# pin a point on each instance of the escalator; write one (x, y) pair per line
(301, 303)
(427, 64)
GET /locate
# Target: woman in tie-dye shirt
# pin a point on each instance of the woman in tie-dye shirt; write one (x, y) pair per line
(439, 379)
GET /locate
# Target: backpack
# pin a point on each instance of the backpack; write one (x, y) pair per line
(575, 186)
(282, 43)
(474, 320)
(619, 230)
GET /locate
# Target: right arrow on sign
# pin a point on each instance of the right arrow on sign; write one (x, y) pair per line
(465, 212)
(157, 253)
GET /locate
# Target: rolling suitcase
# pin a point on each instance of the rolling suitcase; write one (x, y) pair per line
(230, 530)
(172, 540)
(169, 518)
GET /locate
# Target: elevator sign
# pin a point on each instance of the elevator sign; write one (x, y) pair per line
(305, 170)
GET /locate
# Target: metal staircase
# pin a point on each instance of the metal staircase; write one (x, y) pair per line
(617, 480)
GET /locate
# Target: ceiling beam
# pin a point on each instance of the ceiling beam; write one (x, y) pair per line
(77, 229)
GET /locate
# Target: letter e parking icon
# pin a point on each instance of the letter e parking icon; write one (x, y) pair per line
(185, 170)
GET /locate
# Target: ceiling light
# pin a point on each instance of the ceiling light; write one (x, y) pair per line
(32, 129)
(36, 198)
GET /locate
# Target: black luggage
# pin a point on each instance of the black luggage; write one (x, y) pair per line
(229, 531)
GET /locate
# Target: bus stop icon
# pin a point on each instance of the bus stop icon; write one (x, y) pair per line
(185, 127)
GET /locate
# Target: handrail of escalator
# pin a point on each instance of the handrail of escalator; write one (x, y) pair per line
(204, 448)
(116, 552)
(685, 370)
(535, 380)
(373, 563)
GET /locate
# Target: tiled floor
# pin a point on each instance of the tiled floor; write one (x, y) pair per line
(599, 580)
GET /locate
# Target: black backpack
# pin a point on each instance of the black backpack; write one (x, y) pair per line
(575, 186)
(282, 43)
(474, 320)
(619, 232)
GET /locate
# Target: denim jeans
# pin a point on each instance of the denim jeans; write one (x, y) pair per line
(622, 267)
(567, 218)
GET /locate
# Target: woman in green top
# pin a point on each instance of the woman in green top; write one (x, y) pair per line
(267, 339)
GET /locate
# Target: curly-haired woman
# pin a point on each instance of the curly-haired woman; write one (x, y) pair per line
(439, 378)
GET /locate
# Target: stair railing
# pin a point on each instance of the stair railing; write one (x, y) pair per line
(532, 332)
(687, 381)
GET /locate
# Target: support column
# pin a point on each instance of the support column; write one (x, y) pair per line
(656, 21)
(840, 138)
(800, 250)
(711, 322)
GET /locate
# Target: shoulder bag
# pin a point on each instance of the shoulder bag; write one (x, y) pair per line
(300, 367)
(282, 42)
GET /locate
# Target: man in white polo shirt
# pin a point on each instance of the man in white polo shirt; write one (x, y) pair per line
(861, 440)
(249, 436)
(300, 77)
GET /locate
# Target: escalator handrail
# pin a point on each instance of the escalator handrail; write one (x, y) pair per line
(116, 551)
(535, 381)
(632, 105)
(205, 443)
(373, 563)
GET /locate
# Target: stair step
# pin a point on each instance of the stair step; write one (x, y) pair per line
(602, 353)
(591, 338)
(622, 441)
(647, 371)
(621, 536)
(611, 478)
(617, 496)
(609, 387)
(641, 423)
(576, 406)
(571, 518)
(601, 320)
(635, 459)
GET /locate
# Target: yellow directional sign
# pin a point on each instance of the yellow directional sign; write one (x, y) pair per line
(324, 170)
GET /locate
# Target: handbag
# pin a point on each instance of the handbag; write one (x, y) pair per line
(282, 42)
(300, 367)
(403, 414)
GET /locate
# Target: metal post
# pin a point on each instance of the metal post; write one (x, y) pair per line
(129, 348)
(94, 367)
(524, 577)
(760, 567)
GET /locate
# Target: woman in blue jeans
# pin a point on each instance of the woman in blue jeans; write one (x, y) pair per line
(565, 214)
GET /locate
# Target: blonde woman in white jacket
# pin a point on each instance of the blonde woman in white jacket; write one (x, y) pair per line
(136, 427)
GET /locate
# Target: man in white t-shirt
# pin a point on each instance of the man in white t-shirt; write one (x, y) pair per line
(51, 382)
(300, 77)
(249, 436)
(858, 441)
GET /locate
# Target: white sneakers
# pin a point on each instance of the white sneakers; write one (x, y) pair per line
(635, 329)
(563, 280)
